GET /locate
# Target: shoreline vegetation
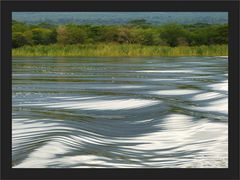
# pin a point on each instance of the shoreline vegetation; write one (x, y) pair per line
(117, 50)
(136, 38)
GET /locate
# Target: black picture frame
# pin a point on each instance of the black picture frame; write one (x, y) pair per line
(7, 7)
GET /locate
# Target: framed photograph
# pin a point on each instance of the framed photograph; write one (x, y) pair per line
(120, 89)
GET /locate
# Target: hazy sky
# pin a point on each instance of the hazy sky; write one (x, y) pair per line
(121, 17)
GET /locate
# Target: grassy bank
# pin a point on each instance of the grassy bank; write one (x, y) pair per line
(130, 50)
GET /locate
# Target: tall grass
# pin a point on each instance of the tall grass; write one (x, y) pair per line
(131, 50)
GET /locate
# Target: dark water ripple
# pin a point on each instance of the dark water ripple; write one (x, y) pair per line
(120, 112)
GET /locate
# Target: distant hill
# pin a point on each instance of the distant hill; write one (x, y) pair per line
(120, 17)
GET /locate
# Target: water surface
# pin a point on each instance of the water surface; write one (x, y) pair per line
(120, 112)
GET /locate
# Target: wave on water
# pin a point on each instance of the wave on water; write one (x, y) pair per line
(130, 113)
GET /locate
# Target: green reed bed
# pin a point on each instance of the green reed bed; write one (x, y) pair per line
(130, 50)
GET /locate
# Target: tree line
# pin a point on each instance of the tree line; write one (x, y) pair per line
(134, 32)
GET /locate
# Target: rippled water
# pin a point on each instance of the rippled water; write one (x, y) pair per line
(120, 112)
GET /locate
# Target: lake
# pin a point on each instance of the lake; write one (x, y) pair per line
(156, 112)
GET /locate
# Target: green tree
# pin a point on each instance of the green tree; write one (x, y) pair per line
(197, 38)
(145, 36)
(96, 33)
(19, 26)
(110, 34)
(43, 36)
(71, 34)
(125, 35)
(219, 34)
(139, 23)
(46, 25)
(208, 34)
(137, 31)
(172, 33)
(18, 39)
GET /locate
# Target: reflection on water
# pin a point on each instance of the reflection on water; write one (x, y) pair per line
(120, 112)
